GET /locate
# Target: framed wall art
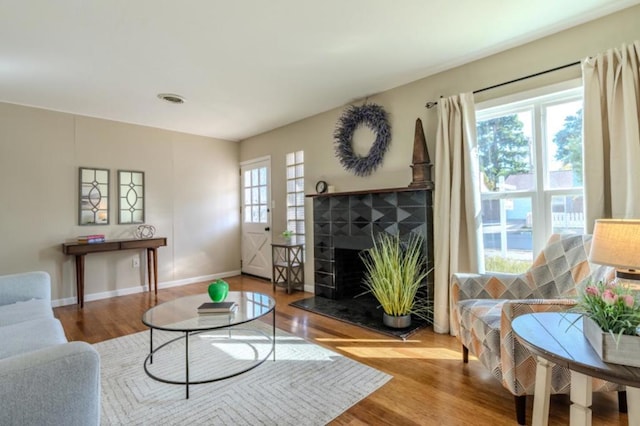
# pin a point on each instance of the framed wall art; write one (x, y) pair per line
(93, 206)
(130, 196)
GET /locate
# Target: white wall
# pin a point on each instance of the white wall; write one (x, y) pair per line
(405, 104)
(191, 189)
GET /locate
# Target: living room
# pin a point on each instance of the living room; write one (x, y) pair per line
(192, 197)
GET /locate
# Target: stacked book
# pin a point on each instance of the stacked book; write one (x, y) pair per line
(208, 308)
(91, 239)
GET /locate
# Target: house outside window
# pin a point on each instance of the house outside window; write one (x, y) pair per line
(530, 155)
(295, 196)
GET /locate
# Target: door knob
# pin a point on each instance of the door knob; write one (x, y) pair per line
(267, 229)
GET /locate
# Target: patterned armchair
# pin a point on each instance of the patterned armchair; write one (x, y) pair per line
(484, 305)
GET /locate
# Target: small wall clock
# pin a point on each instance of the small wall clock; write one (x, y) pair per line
(321, 187)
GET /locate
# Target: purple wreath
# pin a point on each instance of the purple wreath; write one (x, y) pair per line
(374, 117)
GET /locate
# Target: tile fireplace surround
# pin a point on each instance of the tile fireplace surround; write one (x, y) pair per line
(343, 225)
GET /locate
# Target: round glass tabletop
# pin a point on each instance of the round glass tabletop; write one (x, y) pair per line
(181, 314)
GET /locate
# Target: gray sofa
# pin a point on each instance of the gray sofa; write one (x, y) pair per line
(44, 380)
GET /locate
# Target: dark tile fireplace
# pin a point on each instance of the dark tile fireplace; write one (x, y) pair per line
(344, 224)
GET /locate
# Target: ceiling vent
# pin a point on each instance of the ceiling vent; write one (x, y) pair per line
(171, 98)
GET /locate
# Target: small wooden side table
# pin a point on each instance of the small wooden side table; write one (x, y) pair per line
(554, 340)
(288, 266)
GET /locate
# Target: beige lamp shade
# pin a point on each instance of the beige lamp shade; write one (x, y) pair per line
(616, 242)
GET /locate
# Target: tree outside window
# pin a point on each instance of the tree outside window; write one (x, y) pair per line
(569, 145)
(503, 149)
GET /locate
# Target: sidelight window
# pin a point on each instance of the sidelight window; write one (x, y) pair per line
(295, 196)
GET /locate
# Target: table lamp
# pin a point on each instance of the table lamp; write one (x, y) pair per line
(616, 242)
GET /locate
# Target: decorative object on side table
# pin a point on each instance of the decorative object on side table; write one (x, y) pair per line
(611, 311)
(395, 271)
(374, 117)
(287, 234)
(611, 316)
(616, 242)
(218, 290)
(421, 164)
(144, 232)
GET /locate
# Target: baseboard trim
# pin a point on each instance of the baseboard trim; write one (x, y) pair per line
(140, 289)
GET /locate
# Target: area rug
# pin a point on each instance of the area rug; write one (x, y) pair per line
(305, 385)
(363, 311)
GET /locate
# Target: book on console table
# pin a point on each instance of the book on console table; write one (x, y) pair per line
(96, 238)
(217, 307)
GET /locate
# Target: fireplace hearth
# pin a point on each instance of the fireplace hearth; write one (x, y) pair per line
(363, 311)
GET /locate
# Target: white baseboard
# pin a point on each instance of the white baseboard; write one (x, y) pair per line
(140, 289)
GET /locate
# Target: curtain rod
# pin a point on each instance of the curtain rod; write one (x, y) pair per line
(431, 104)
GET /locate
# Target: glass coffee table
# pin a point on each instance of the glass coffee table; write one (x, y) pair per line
(226, 344)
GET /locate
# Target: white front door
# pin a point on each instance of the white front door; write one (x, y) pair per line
(256, 217)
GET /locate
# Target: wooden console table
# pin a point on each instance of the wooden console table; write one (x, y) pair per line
(80, 250)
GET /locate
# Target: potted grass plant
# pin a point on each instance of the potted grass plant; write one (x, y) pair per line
(395, 270)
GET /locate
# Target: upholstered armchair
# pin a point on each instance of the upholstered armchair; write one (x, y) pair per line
(484, 305)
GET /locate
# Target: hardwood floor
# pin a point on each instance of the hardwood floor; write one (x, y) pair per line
(430, 385)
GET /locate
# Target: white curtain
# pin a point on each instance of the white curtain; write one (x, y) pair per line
(457, 217)
(612, 134)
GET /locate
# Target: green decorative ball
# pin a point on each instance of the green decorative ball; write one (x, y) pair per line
(218, 290)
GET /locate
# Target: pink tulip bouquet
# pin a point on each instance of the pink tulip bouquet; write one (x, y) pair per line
(613, 306)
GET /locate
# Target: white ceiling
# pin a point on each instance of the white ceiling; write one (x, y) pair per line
(249, 66)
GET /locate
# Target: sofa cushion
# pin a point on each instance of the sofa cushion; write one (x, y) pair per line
(24, 286)
(480, 330)
(25, 311)
(30, 335)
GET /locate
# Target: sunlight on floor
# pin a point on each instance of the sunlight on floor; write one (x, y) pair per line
(400, 352)
(247, 347)
(337, 339)
(289, 348)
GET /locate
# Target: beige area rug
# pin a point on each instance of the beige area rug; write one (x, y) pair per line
(305, 385)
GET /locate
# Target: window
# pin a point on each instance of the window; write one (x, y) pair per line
(295, 196)
(255, 195)
(530, 155)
